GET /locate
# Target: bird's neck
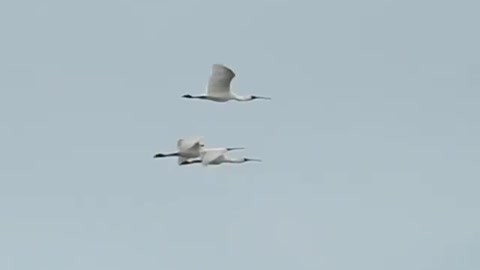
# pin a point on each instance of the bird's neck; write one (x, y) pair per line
(188, 162)
(197, 97)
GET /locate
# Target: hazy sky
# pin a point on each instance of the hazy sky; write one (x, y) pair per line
(370, 144)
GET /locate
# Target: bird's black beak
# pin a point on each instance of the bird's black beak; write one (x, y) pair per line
(187, 96)
(253, 159)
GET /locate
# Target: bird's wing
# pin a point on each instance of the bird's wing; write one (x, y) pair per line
(186, 144)
(220, 79)
(211, 155)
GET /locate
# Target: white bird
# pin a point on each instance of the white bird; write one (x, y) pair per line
(216, 156)
(186, 148)
(218, 87)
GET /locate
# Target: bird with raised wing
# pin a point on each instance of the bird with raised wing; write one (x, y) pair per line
(186, 148)
(216, 156)
(218, 87)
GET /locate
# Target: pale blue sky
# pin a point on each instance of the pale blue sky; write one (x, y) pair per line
(370, 144)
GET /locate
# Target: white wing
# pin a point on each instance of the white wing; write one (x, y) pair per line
(220, 79)
(209, 156)
(190, 146)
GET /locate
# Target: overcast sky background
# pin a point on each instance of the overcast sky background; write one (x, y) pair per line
(370, 145)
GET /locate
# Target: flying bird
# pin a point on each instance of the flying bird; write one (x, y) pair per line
(186, 148)
(218, 87)
(216, 156)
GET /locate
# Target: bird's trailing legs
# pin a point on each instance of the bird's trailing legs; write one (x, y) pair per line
(234, 148)
(260, 97)
(252, 159)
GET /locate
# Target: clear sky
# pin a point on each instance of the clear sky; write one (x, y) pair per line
(370, 145)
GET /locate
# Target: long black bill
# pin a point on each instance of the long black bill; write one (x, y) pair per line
(160, 155)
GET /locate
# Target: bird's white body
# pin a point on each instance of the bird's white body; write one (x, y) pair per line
(218, 87)
(217, 156)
